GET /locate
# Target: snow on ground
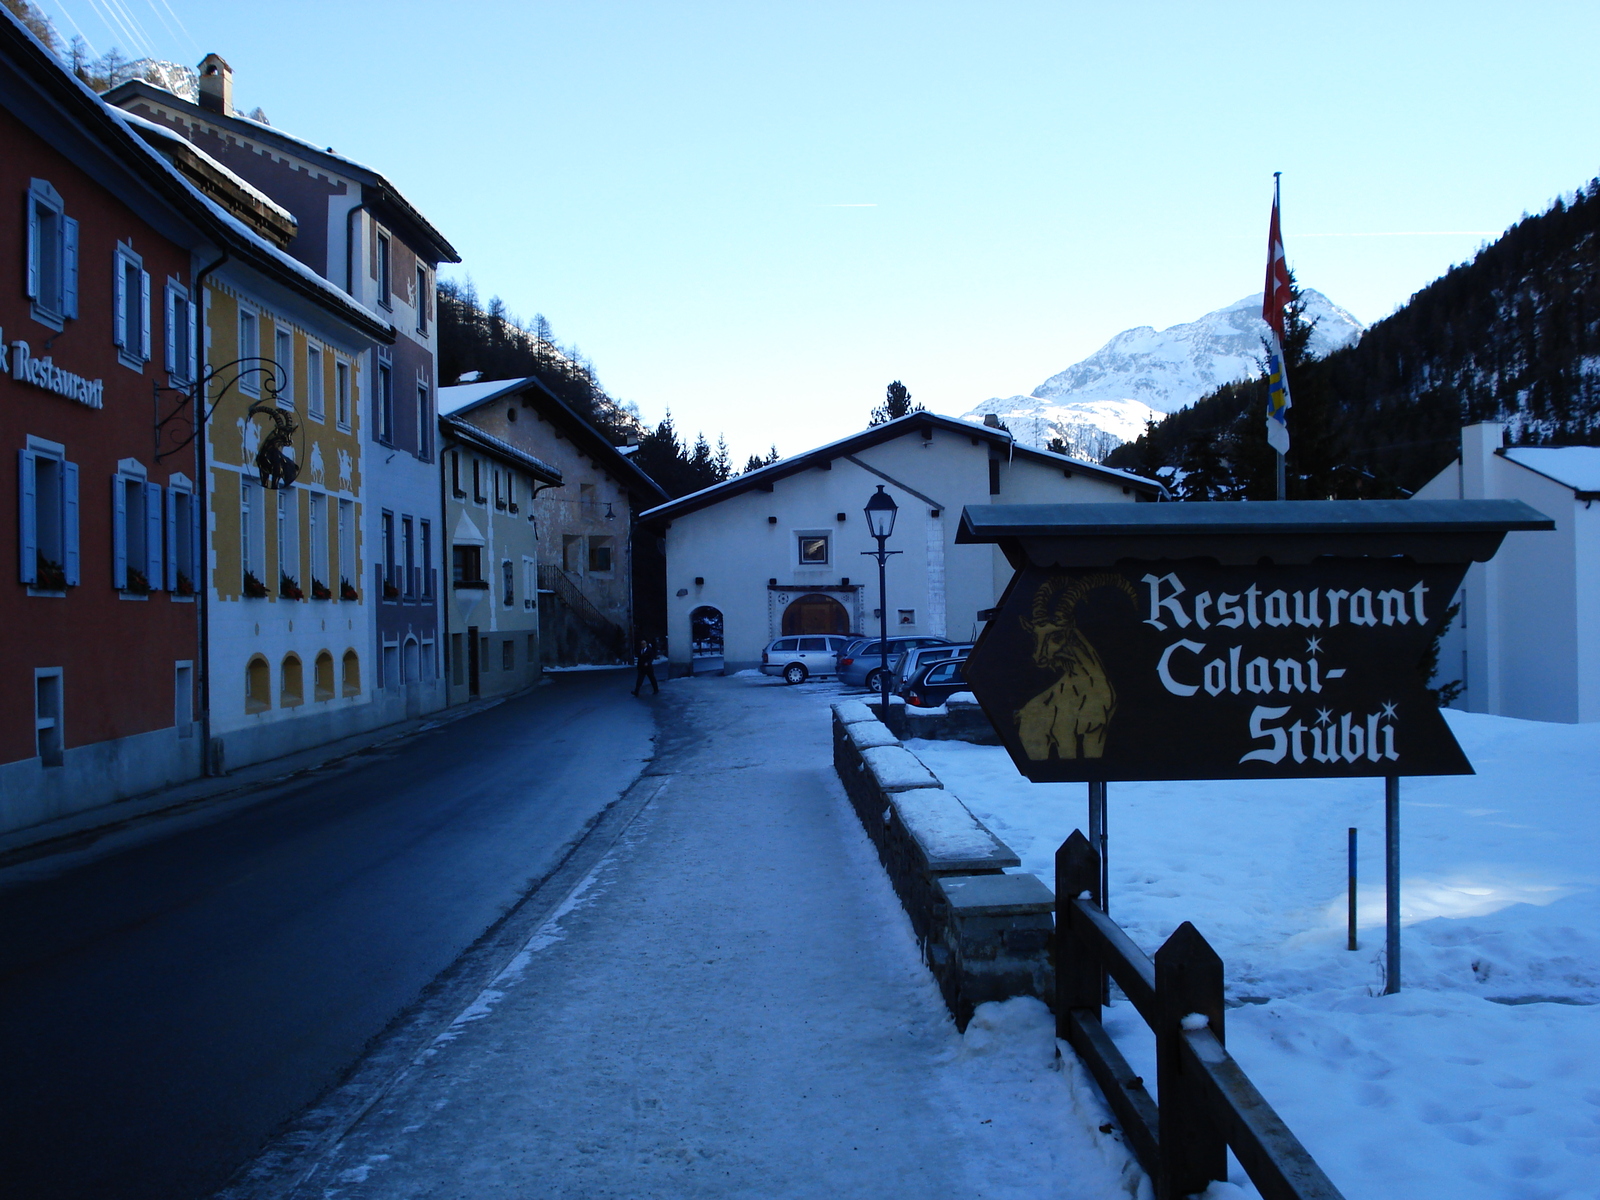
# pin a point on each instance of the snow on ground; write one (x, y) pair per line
(1479, 1081)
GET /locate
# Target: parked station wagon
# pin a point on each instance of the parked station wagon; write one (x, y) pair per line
(799, 658)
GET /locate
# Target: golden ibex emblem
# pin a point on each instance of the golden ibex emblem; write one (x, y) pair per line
(1069, 718)
(277, 469)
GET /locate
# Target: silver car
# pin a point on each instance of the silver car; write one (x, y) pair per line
(913, 661)
(860, 663)
(799, 658)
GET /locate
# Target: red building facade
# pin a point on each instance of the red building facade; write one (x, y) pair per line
(99, 664)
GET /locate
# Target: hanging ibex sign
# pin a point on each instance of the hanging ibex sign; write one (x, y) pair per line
(1226, 641)
(1173, 670)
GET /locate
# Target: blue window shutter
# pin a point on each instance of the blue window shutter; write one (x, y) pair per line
(69, 267)
(34, 249)
(172, 540)
(144, 315)
(170, 325)
(119, 293)
(188, 368)
(197, 567)
(27, 518)
(119, 533)
(69, 521)
(153, 569)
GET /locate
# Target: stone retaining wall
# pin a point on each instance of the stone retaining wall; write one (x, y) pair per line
(984, 934)
(953, 721)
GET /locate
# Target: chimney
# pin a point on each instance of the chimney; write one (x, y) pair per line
(216, 85)
(992, 420)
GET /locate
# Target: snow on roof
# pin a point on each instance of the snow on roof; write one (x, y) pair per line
(1578, 467)
(465, 395)
(244, 185)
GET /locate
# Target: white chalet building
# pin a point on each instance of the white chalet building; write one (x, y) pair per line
(1526, 642)
(778, 550)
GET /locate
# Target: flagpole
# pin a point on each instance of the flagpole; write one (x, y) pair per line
(1275, 298)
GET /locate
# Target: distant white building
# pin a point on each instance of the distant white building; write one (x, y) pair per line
(1527, 640)
(778, 550)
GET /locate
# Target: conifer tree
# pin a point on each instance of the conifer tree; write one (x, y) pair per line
(896, 404)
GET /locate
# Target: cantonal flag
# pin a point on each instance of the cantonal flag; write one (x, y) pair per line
(1275, 298)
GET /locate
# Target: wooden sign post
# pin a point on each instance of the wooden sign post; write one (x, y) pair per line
(1228, 641)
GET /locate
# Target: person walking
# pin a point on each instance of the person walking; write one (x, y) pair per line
(644, 664)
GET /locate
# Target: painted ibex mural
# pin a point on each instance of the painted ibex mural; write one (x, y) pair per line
(1069, 718)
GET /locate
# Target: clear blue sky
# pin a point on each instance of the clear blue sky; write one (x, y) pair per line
(758, 214)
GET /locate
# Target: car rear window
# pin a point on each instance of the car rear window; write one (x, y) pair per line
(784, 643)
(943, 673)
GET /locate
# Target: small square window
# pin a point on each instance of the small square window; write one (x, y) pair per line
(599, 555)
(814, 549)
(908, 616)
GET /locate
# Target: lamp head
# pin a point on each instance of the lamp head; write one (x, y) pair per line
(881, 510)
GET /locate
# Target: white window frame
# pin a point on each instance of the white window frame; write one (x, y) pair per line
(65, 503)
(133, 345)
(316, 402)
(424, 425)
(253, 532)
(317, 518)
(347, 547)
(422, 299)
(342, 393)
(384, 253)
(530, 583)
(52, 243)
(179, 327)
(249, 347)
(383, 400)
(282, 339)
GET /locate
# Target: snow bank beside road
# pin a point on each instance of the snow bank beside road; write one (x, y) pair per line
(1475, 1083)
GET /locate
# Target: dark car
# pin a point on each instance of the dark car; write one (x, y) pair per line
(912, 661)
(937, 682)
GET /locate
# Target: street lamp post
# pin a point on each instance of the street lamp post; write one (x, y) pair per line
(881, 510)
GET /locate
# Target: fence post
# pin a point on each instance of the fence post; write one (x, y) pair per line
(1193, 1149)
(1080, 977)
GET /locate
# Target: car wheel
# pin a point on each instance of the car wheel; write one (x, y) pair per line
(875, 680)
(794, 673)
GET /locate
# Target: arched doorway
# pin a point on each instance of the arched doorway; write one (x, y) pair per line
(815, 613)
(705, 639)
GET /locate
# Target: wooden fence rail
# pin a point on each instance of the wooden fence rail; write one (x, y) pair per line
(1207, 1102)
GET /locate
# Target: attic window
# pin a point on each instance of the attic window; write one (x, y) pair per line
(838, 516)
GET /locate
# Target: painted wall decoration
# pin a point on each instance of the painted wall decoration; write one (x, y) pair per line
(1190, 670)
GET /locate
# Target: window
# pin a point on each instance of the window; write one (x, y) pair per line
(341, 394)
(530, 582)
(508, 655)
(131, 324)
(466, 565)
(422, 298)
(477, 481)
(571, 553)
(289, 545)
(499, 489)
(508, 584)
(48, 517)
(183, 534)
(352, 674)
(994, 477)
(455, 476)
(391, 586)
(908, 616)
(183, 699)
(385, 403)
(257, 685)
(253, 536)
(52, 280)
(385, 279)
(283, 356)
(427, 558)
(813, 549)
(180, 334)
(346, 570)
(250, 350)
(424, 424)
(49, 740)
(291, 690)
(138, 518)
(599, 555)
(408, 560)
(322, 677)
(320, 571)
(314, 382)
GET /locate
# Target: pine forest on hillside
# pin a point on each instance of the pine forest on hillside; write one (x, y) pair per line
(1512, 336)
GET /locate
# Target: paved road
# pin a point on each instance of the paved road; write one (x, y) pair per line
(164, 1007)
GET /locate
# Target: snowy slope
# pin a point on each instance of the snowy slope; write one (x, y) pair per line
(1144, 373)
